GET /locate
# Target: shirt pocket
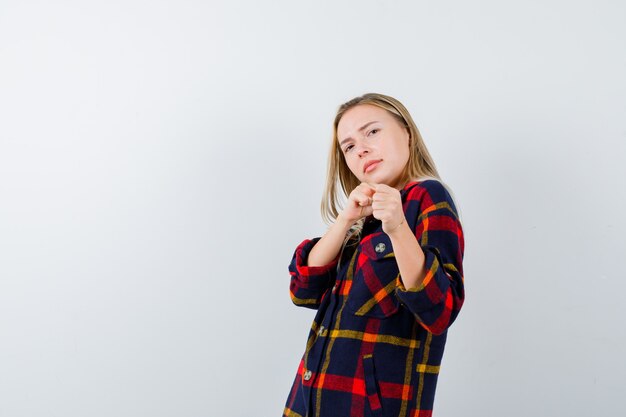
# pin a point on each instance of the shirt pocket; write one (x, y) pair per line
(372, 292)
(371, 386)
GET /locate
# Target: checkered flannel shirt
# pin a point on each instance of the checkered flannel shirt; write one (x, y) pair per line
(375, 347)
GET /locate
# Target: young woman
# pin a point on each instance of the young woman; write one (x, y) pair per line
(387, 277)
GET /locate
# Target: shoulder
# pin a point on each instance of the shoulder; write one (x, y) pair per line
(429, 193)
(434, 189)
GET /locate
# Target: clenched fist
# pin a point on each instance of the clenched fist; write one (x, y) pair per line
(380, 200)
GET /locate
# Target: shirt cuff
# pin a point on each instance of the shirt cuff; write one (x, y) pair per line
(432, 290)
(302, 255)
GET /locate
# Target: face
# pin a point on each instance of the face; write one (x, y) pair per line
(368, 133)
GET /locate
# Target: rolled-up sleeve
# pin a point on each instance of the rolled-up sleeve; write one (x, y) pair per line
(437, 301)
(309, 283)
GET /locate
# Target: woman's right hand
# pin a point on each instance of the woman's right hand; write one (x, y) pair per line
(359, 203)
(329, 246)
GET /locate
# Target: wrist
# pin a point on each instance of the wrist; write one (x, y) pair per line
(398, 229)
(343, 223)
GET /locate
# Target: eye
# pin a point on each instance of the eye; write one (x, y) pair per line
(372, 131)
(348, 148)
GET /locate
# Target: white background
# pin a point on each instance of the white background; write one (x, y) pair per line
(161, 160)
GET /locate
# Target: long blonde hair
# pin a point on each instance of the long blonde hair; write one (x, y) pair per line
(420, 165)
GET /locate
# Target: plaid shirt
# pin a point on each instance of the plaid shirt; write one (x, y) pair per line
(375, 348)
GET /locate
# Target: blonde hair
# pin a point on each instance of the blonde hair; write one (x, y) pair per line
(419, 167)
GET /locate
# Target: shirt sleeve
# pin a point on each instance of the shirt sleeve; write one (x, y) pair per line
(309, 283)
(437, 301)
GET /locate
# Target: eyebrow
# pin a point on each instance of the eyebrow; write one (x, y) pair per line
(362, 127)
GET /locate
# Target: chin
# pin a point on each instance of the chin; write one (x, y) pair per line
(376, 180)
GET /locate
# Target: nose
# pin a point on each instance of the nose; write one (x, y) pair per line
(363, 151)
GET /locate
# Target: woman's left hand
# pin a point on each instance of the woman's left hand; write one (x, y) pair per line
(387, 207)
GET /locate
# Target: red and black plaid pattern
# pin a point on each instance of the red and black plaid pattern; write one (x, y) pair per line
(375, 347)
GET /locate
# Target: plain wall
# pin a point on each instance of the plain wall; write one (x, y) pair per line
(161, 160)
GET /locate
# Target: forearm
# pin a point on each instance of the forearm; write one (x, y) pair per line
(327, 248)
(409, 256)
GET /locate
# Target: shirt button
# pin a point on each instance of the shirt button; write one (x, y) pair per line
(307, 375)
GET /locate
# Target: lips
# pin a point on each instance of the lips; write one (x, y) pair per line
(371, 164)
